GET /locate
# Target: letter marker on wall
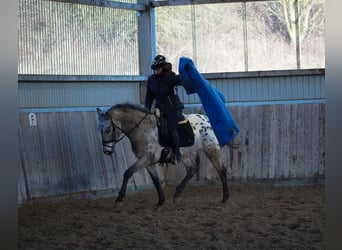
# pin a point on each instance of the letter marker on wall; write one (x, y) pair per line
(33, 119)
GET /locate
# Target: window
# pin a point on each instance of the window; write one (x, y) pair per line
(244, 36)
(73, 39)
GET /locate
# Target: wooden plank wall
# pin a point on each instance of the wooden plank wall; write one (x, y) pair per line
(282, 142)
(63, 155)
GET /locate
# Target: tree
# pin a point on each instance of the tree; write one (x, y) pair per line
(282, 14)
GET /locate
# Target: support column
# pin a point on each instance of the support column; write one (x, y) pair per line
(145, 38)
(146, 42)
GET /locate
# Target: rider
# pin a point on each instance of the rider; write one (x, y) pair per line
(160, 87)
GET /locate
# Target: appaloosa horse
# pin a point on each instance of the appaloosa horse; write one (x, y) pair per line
(140, 126)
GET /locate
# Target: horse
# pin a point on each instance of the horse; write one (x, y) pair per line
(139, 125)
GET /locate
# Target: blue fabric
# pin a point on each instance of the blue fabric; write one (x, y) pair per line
(213, 101)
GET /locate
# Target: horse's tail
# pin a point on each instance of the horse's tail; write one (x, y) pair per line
(197, 164)
(233, 145)
(198, 160)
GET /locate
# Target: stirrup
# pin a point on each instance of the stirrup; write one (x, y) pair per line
(174, 159)
(164, 156)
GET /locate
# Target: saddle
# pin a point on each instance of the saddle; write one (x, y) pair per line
(184, 129)
(185, 134)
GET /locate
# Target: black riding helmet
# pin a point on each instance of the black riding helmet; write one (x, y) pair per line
(158, 61)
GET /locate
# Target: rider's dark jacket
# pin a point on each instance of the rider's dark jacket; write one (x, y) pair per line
(161, 88)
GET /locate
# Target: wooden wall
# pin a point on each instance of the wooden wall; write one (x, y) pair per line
(284, 141)
(63, 155)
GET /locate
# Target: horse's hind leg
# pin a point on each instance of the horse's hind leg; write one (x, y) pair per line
(223, 176)
(214, 157)
(191, 169)
(156, 181)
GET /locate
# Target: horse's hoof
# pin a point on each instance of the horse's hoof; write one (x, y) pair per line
(119, 198)
(224, 200)
(118, 204)
(175, 200)
(160, 202)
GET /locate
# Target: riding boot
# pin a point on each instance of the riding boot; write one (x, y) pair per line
(176, 157)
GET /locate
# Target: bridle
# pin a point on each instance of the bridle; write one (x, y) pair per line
(114, 126)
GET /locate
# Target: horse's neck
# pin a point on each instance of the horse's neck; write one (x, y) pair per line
(140, 129)
(128, 121)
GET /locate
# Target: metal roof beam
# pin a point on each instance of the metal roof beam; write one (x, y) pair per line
(105, 3)
(159, 3)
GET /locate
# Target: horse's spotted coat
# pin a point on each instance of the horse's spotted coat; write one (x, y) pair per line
(202, 129)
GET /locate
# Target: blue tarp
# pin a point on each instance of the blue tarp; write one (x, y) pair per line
(213, 101)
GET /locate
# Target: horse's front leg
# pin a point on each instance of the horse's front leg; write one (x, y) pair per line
(156, 181)
(139, 164)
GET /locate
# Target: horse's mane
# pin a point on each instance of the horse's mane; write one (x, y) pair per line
(126, 106)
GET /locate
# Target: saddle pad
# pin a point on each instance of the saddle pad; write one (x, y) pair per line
(186, 134)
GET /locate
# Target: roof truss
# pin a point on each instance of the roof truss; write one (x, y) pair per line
(152, 3)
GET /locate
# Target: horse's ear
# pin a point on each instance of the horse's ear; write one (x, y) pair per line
(99, 111)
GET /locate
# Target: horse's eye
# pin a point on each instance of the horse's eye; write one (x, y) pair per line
(108, 130)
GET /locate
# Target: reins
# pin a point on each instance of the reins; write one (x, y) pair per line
(122, 131)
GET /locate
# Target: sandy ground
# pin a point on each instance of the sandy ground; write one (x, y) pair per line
(257, 216)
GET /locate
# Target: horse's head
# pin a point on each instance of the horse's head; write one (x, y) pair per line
(107, 129)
